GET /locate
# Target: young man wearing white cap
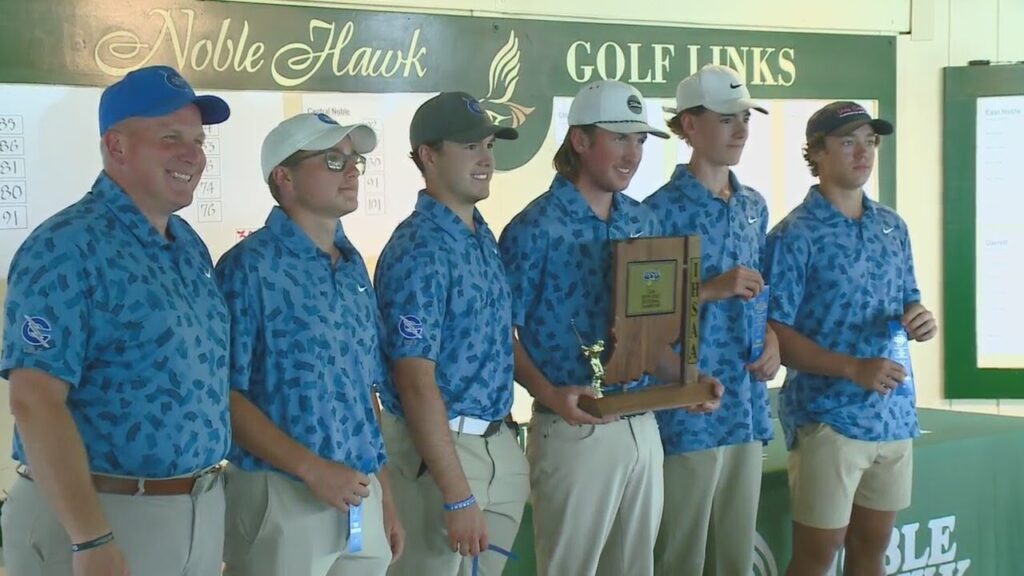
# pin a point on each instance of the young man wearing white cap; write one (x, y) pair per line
(596, 484)
(845, 303)
(116, 346)
(713, 460)
(307, 490)
(460, 477)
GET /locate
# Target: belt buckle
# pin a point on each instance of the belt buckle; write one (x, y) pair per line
(493, 428)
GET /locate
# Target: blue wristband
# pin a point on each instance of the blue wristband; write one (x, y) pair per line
(94, 543)
(460, 504)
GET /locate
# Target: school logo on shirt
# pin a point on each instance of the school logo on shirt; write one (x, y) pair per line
(36, 331)
(410, 327)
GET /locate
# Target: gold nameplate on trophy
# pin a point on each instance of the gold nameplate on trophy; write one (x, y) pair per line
(655, 304)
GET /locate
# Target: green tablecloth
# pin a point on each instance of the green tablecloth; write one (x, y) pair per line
(967, 515)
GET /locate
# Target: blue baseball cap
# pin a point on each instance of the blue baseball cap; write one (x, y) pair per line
(155, 91)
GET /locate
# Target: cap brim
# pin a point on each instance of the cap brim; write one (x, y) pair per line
(726, 107)
(632, 128)
(479, 133)
(212, 109)
(881, 127)
(364, 139)
(734, 106)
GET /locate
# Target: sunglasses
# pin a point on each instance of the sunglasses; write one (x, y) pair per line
(335, 160)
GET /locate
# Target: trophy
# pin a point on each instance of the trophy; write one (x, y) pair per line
(655, 305)
(593, 355)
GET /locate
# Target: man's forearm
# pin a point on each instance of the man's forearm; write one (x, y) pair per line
(799, 352)
(427, 421)
(259, 435)
(56, 455)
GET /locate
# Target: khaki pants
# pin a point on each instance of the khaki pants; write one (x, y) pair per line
(497, 473)
(829, 473)
(597, 494)
(710, 518)
(159, 535)
(275, 526)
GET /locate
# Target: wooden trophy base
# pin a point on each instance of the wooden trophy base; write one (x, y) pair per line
(661, 397)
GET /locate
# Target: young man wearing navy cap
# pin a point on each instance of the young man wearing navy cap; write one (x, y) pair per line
(844, 304)
(713, 460)
(116, 349)
(459, 476)
(307, 493)
(596, 484)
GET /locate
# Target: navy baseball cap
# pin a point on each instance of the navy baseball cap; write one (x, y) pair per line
(455, 117)
(841, 118)
(155, 91)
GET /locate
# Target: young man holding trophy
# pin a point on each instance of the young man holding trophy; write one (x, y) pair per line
(596, 482)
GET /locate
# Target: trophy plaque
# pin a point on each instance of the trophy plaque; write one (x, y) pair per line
(655, 305)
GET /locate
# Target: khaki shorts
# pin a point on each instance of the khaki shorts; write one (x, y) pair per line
(829, 473)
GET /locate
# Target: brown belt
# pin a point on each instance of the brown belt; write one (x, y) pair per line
(141, 486)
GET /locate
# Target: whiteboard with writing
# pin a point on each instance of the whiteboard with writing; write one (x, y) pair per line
(49, 156)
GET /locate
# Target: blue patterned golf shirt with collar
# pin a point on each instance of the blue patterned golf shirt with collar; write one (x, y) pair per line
(304, 342)
(839, 282)
(444, 297)
(136, 326)
(732, 234)
(558, 255)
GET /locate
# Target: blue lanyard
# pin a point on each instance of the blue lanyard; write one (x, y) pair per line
(507, 553)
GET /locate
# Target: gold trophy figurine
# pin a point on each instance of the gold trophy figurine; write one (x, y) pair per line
(593, 355)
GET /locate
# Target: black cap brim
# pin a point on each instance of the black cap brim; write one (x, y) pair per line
(479, 133)
(881, 127)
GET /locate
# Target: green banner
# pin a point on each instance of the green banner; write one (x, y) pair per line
(515, 67)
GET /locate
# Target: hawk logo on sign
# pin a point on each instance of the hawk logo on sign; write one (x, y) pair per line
(501, 85)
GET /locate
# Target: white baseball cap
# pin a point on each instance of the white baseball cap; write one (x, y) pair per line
(614, 106)
(717, 88)
(311, 131)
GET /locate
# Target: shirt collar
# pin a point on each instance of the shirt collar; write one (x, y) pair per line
(693, 189)
(293, 237)
(823, 210)
(446, 218)
(127, 212)
(573, 201)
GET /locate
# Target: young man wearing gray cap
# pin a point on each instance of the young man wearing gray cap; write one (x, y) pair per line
(307, 492)
(713, 460)
(459, 476)
(845, 303)
(116, 349)
(596, 484)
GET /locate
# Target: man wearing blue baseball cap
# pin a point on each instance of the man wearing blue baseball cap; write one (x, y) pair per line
(116, 349)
